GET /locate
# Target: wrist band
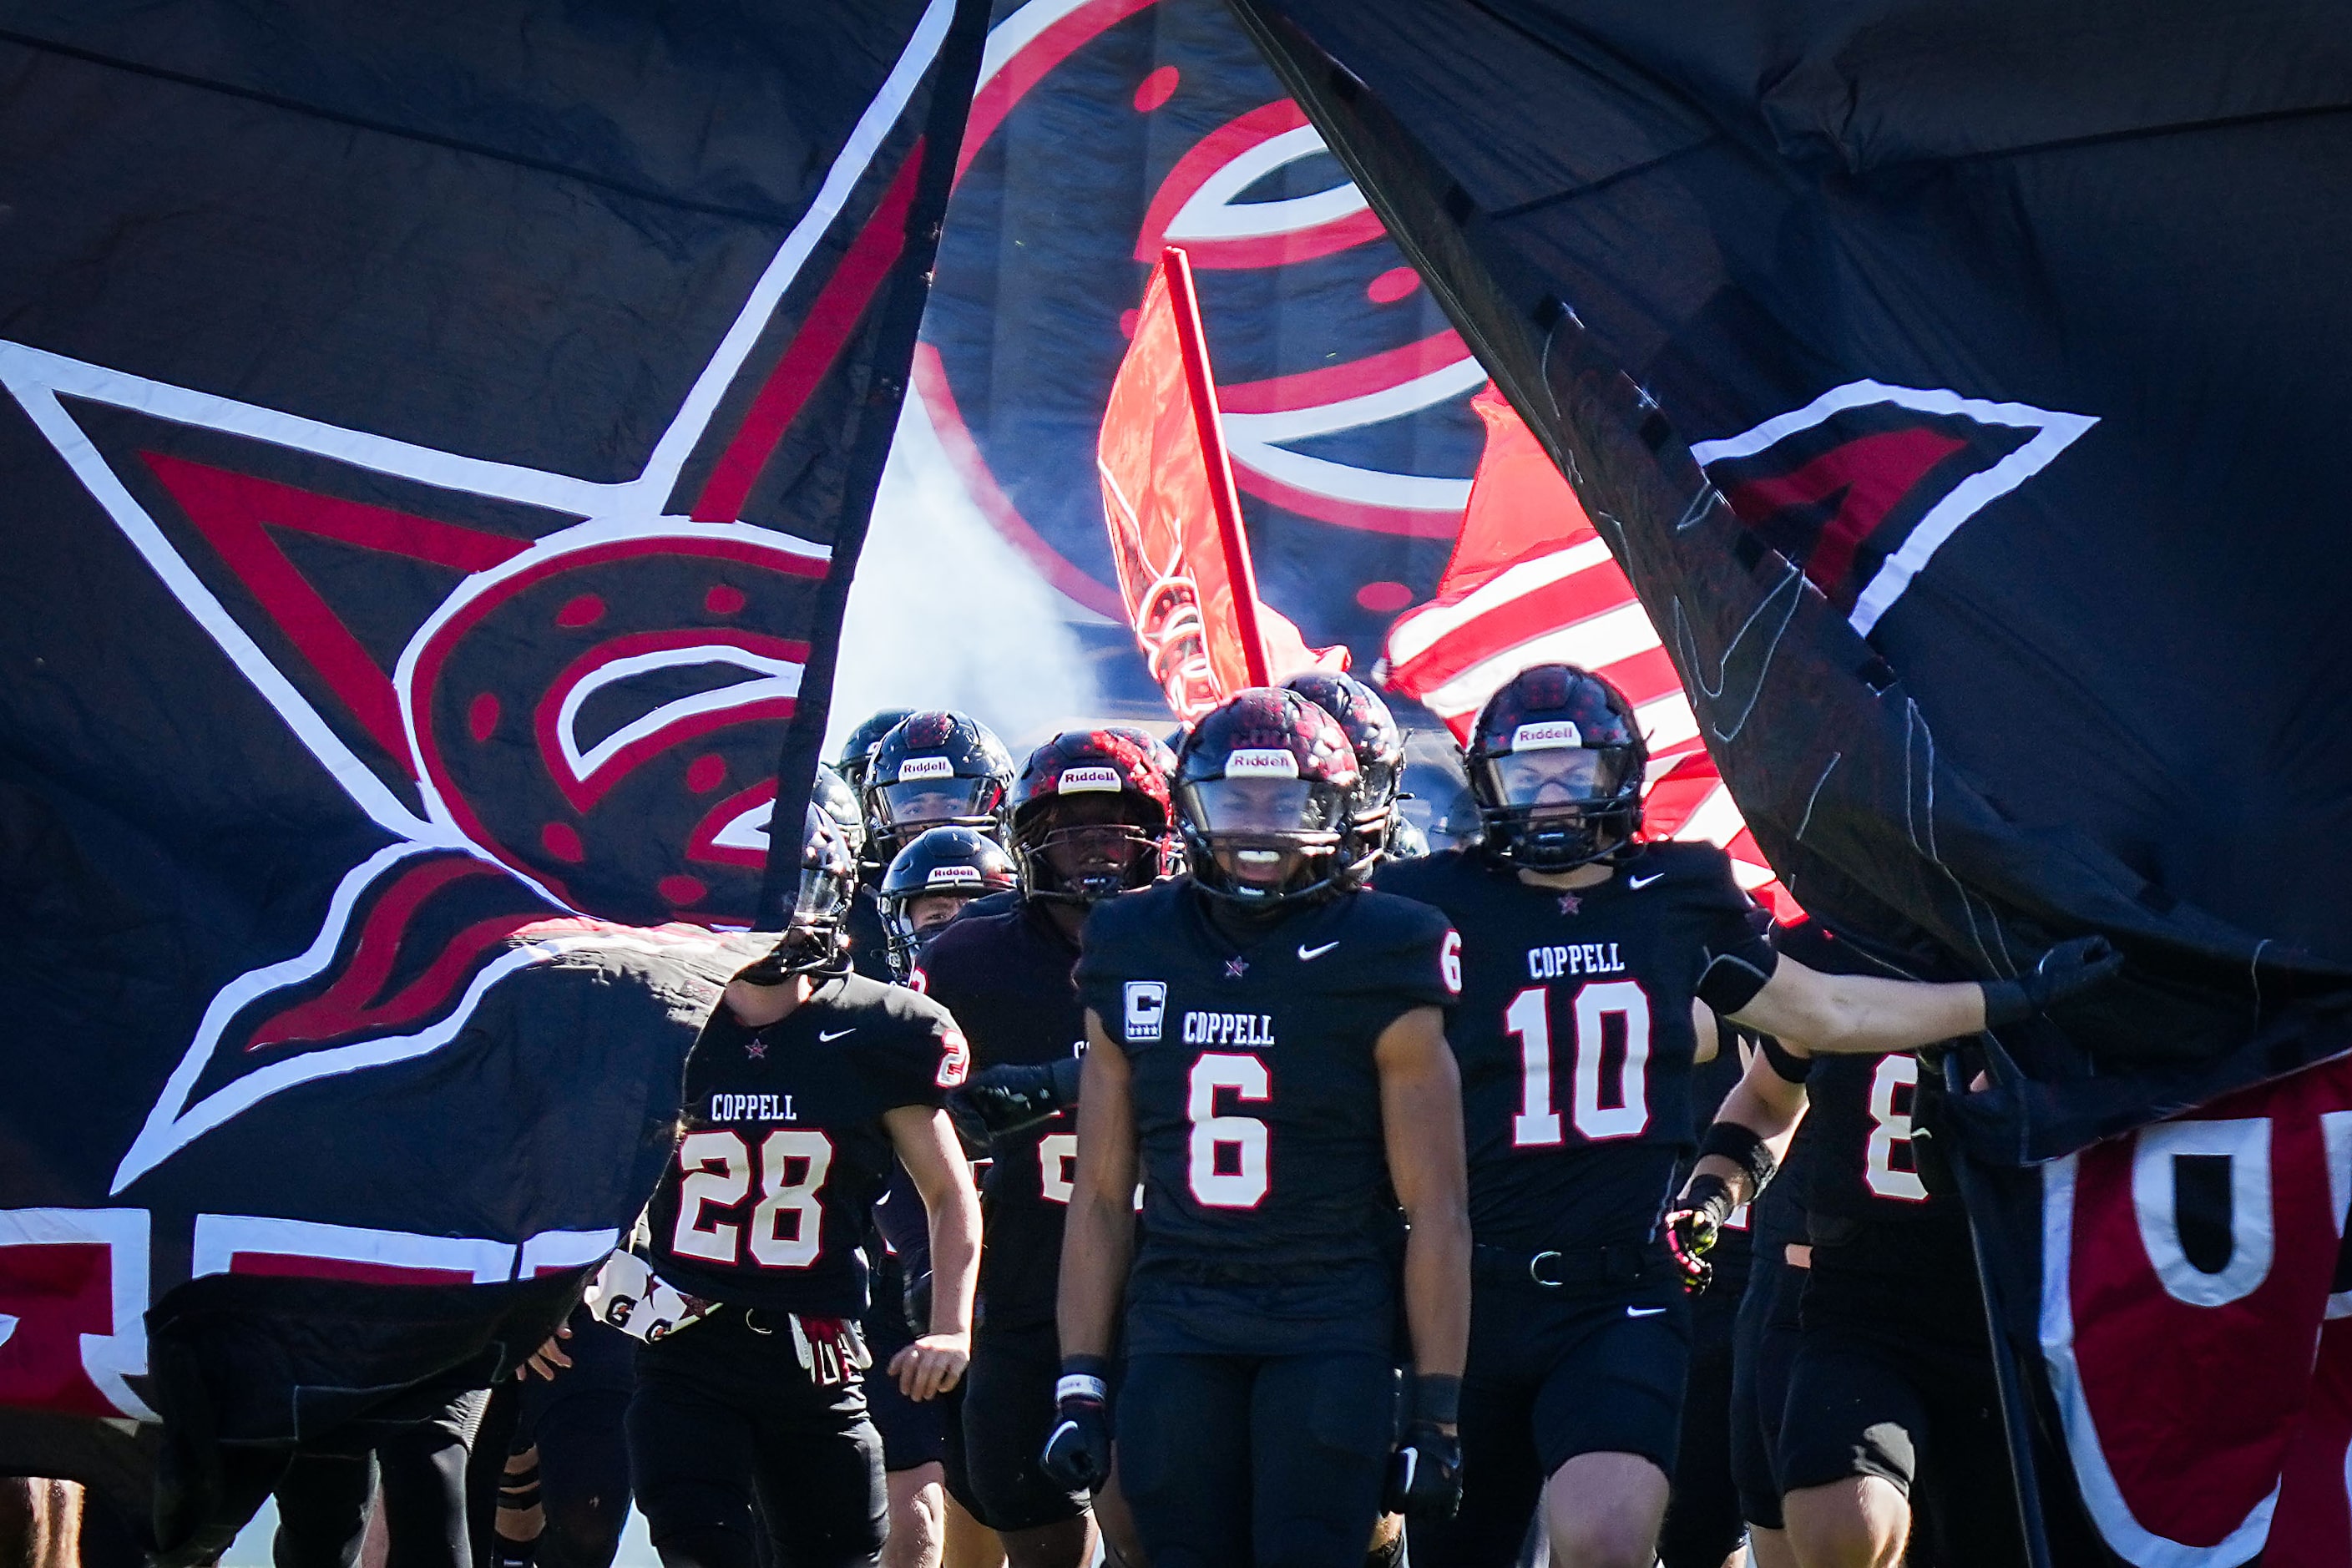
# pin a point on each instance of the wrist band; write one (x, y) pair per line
(1437, 1396)
(1083, 1365)
(1081, 1386)
(1743, 1148)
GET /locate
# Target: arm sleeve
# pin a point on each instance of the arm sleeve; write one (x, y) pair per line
(1740, 957)
(1786, 1065)
(927, 1057)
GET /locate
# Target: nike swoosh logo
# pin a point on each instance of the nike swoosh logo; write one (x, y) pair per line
(1309, 954)
(1639, 882)
(1643, 1312)
(823, 1038)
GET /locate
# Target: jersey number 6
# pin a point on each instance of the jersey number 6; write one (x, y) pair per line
(1245, 1186)
(1627, 1112)
(717, 1170)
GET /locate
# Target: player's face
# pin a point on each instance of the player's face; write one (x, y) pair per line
(1234, 812)
(910, 808)
(927, 912)
(1554, 784)
(1088, 838)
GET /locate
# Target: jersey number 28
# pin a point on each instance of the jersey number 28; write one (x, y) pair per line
(1624, 1114)
(787, 1227)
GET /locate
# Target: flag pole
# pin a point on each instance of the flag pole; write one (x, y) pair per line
(1194, 344)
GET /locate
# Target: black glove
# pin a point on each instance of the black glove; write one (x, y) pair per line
(1016, 1096)
(2064, 973)
(1692, 1225)
(1425, 1474)
(1078, 1450)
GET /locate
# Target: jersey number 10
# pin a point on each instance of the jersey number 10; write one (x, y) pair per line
(718, 1171)
(1624, 1114)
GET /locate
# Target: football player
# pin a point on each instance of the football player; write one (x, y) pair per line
(857, 751)
(934, 768)
(803, 1084)
(1091, 816)
(1372, 733)
(1584, 949)
(1892, 1405)
(1266, 1048)
(929, 882)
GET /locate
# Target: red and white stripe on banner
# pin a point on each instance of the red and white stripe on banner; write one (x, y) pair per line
(306, 1249)
(1531, 582)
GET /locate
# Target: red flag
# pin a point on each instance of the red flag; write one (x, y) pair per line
(1531, 582)
(1175, 520)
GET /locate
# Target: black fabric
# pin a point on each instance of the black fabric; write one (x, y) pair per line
(1703, 1524)
(1764, 1343)
(575, 1422)
(914, 1431)
(1927, 532)
(724, 1418)
(1008, 1410)
(1285, 1237)
(323, 1498)
(763, 1110)
(1277, 1461)
(1006, 978)
(1591, 1165)
(1552, 1375)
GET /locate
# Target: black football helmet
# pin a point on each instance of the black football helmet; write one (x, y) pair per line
(955, 863)
(1264, 788)
(832, 794)
(1379, 745)
(936, 768)
(859, 749)
(1075, 851)
(814, 940)
(1556, 765)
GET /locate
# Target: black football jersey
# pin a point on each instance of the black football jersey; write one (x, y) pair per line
(1574, 1032)
(1860, 1163)
(1269, 1226)
(1006, 978)
(869, 945)
(782, 1151)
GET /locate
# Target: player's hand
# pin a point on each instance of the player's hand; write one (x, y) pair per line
(1014, 1097)
(548, 1359)
(1691, 1227)
(1078, 1450)
(931, 1365)
(1425, 1474)
(2064, 973)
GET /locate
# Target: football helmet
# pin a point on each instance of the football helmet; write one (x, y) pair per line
(1556, 765)
(831, 794)
(936, 768)
(1379, 745)
(1264, 790)
(814, 940)
(953, 863)
(859, 749)
(1092, 815)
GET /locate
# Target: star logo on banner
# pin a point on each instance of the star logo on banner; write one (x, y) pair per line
(544, 709)
(1570, 904)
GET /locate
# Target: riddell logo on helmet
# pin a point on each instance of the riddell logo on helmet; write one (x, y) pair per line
(1544, 737)
(957, 875)
(1076, 780)
(1255, 763)
(915, 768)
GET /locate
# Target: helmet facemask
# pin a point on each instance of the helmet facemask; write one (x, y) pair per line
(814, 940)
(1264, 840)
(1084, 848)
(1556, 808)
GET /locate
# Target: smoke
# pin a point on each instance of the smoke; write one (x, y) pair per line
(944, 614)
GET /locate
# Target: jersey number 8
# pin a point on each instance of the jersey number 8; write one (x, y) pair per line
(718, 1171)
(1245, 1186)
(1626, 1114)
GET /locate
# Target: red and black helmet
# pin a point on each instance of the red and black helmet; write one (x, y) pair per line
(1264, 785)
(1075, 849)
(936, 768)
(1556, 765)
(1379, 745)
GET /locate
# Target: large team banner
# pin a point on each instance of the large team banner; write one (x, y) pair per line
(1959, 387)
(436, 450)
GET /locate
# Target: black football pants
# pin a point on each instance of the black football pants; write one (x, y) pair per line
(723, 1414)
(323, 1500)
(1703, 1525)
(1276, 1461)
